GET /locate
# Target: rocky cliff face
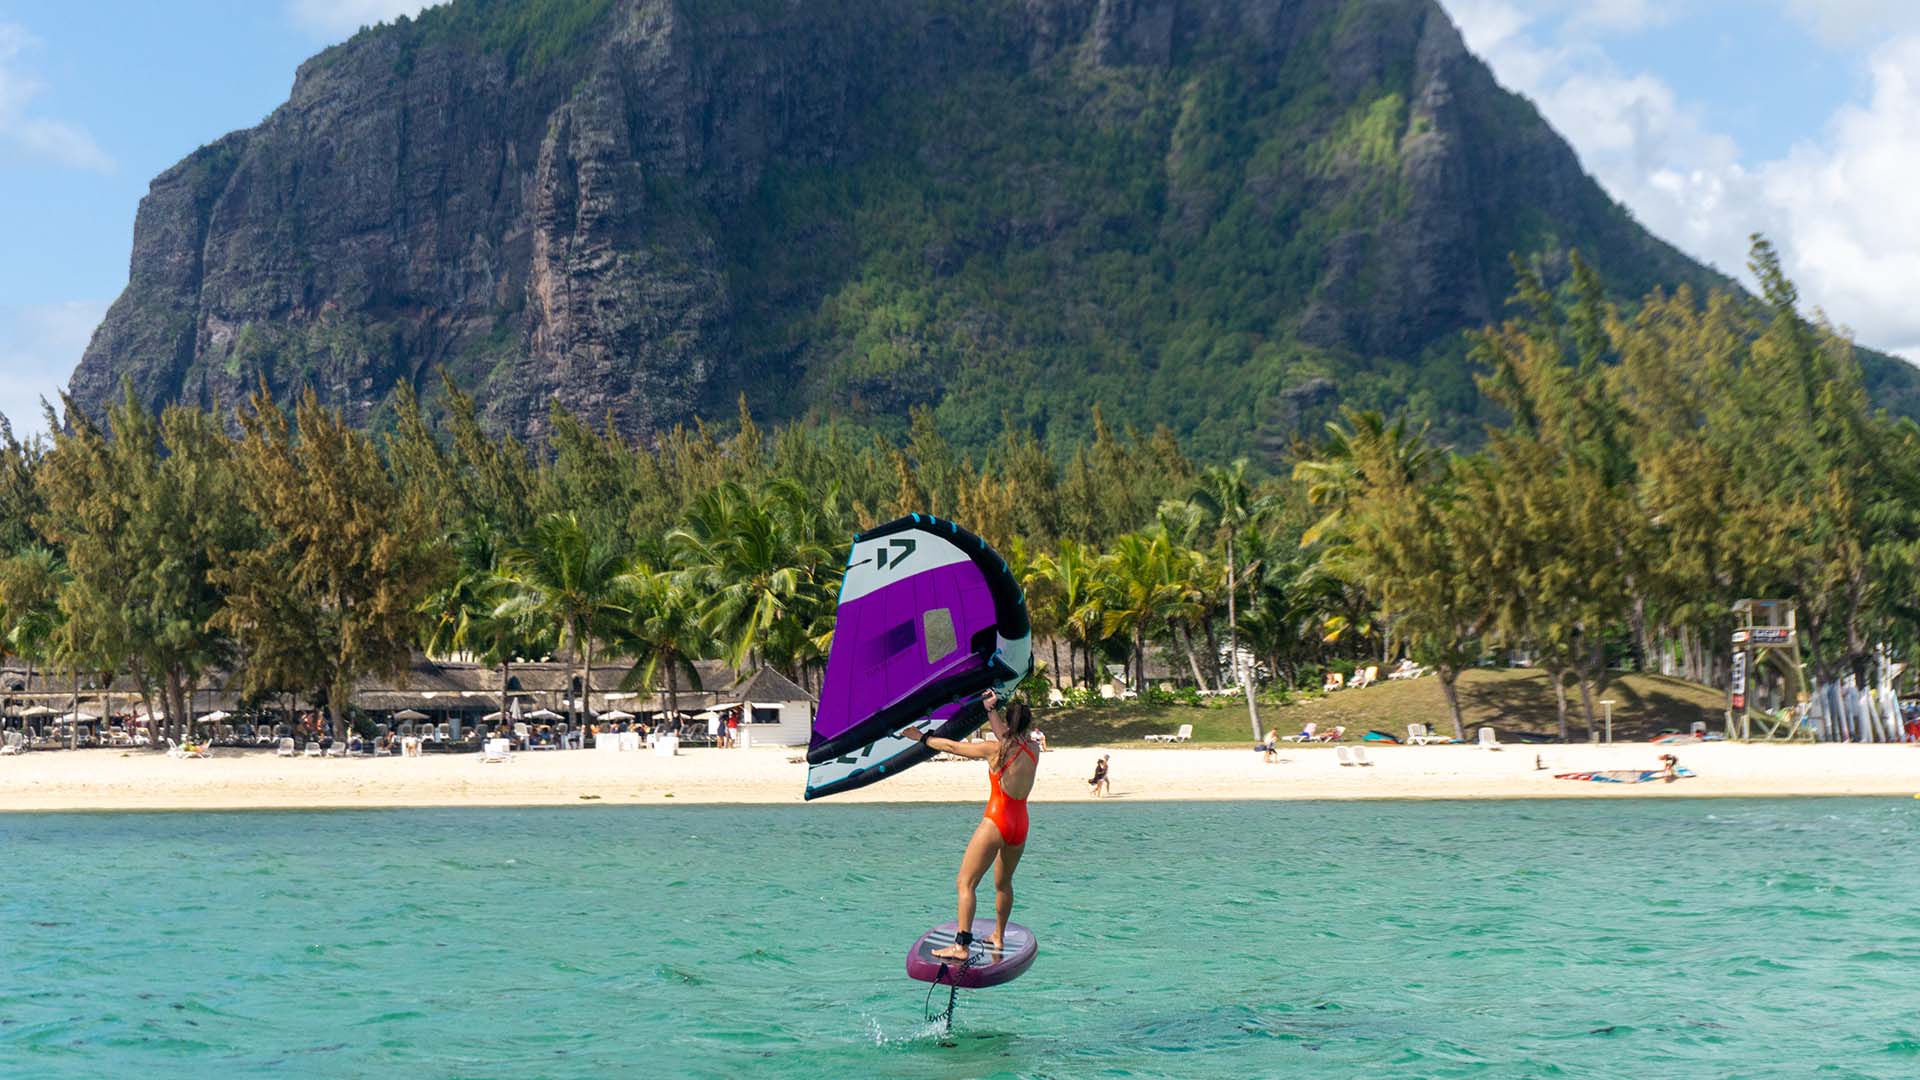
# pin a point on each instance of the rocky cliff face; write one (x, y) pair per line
(640, 208)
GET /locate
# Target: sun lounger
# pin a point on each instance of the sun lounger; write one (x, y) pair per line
(313, 750)
(10, 743)
(1329, 736)
(1306, 735)
(1488, 739)
(1421, 735)
(1360, 757)
(284, 748)
(1344, 755)
(1184, 734)
(496, 751)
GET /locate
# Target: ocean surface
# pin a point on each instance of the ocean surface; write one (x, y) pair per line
(1677, 938)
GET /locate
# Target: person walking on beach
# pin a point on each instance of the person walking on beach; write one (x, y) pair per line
(1098, 784)
(1669, 767)
(1001, 837)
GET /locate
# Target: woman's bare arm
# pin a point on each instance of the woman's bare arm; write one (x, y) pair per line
(979, 750)
(976, 750)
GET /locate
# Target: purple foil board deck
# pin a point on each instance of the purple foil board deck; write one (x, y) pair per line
(986, 966)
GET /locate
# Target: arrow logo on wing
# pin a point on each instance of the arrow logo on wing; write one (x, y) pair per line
(903, 547)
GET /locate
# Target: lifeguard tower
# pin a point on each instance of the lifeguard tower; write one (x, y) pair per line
(1765, 631)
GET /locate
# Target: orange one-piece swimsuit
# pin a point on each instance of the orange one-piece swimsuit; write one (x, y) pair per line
(1008, 814)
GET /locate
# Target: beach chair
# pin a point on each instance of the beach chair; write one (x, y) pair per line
(313, 749)
(497, 751)
(1360, 757)
(1488, 739)
(1422, 735)
(10, 743)
(174, 751)
(284, 748)
(1329, 736)
(1306, 734)
(1344, 755)
(1183, 735)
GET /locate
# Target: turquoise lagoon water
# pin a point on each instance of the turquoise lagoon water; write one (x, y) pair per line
(1686, 938)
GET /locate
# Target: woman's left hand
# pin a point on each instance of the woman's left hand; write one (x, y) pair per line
(909, 732)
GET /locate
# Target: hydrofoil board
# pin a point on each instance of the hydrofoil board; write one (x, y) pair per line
(984, 966)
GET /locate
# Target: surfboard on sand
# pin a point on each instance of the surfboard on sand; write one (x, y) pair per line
(985, 967)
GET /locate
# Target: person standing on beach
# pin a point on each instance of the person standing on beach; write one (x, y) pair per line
(1001, 837)
(1099, 783)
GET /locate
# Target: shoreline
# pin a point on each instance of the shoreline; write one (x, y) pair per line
(138, 781)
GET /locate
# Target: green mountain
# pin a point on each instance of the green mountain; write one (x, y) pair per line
(1228, 216)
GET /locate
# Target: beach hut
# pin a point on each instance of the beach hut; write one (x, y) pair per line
(774, 711)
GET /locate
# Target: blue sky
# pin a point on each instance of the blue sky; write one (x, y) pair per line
(1711, 119)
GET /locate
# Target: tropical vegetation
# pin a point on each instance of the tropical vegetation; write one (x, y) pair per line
(1649, 466)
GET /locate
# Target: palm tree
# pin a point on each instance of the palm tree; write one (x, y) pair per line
(759, 568)
(1072, 598)
(1142, 593)
(661, 632)
(30, 615)
(465, 616)
(567, 578)
(1366, 449)
(1227, 500)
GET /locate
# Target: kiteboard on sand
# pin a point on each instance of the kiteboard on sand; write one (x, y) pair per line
(1624, 776)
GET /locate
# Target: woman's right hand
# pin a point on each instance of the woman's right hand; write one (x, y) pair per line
(991, 699)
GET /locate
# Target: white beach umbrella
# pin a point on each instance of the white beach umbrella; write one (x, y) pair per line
(544, 714)
(492, 717)
(36, 711)
(409, 714)
(214, 717)
(616, 715)
(82, 717)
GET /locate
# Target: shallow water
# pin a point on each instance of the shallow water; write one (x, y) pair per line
(1678, 938)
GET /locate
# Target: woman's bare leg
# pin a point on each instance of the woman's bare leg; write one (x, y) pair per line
(1003, 891)
(981, 849)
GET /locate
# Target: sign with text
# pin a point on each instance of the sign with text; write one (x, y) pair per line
(1740, 680)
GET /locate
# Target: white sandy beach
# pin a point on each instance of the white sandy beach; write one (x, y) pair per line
(234, 779)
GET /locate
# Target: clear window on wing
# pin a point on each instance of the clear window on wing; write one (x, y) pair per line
(936, 629)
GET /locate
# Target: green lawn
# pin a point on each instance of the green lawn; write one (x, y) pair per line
(1510, 700)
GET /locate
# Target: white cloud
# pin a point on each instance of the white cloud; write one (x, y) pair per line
(1625, 15)
(27, 137)
(39, 346)
(1840, 206)
(337, 18)
(1854, 22)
